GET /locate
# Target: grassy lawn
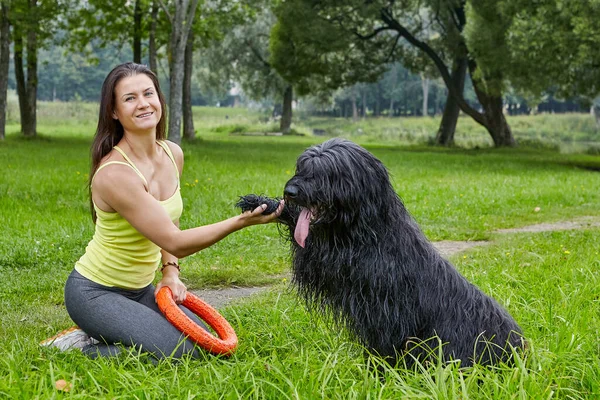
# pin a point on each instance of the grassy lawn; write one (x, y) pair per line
(548, 281)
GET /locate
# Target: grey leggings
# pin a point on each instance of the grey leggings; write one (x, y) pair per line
(122, 316)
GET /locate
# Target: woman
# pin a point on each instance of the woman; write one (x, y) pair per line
(136, 205)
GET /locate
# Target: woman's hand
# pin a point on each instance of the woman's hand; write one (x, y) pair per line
(174, 283)
(256, 217)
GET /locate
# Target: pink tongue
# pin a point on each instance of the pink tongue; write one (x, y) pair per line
(301, 231)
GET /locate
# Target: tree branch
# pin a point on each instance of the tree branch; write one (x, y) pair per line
(439, 63)
(454, 18)
(189, 21)
(389, 57)
(166, 10)
(257, 54)
(372, 34)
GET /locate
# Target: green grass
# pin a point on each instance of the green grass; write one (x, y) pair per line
(548, 281)
(285, 353)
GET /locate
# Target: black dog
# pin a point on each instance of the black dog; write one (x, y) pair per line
(359, 255)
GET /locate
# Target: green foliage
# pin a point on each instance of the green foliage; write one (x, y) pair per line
(316, 54)
(487, 29)
(538, 45)
(100, 21)
(41, 17)
(76, 76)
(243, 57)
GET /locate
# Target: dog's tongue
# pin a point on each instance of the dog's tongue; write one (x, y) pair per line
(302, 225)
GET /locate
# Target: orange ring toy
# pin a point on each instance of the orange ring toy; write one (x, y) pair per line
(227, 341)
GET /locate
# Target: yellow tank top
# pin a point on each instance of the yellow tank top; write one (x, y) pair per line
(118, 255)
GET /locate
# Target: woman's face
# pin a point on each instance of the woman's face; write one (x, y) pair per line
(137, 106)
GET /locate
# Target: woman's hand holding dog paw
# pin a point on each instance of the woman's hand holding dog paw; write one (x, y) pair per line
(256, 216)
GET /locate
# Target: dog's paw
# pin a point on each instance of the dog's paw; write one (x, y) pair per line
(249, 202)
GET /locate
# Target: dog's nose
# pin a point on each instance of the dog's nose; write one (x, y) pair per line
(290, 191)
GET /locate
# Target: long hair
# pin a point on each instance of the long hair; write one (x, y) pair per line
(110, 131)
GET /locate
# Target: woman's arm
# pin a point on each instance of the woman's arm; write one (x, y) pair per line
(121, 188)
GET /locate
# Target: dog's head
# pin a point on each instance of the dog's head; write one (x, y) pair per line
(337, 185)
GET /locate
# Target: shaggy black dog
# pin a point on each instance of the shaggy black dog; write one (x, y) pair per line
(359, 256)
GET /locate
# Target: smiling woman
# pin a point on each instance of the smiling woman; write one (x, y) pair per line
(134, 188)
(137, 106)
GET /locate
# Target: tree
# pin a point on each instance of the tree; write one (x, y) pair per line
(595, 111)
(210, 24)
(430, 30)
(397, 93)
(403, 90)
(26, 28)
(243, 57)
(4, 61)
(68, 76)
(257, 75)
(121, 21)
(33, 24)
(181, 23)
(188, 117)
(152, 46)
(538, 45)
(250, 56)
(315, 55)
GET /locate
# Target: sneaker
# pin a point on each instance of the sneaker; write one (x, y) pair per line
(72, 338)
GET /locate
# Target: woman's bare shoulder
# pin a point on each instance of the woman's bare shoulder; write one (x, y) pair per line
(177, 153)
(175, 149)
(119, 174)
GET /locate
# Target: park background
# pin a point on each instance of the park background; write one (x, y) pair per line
(485, 113)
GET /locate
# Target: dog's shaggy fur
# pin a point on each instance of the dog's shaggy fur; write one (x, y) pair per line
(359, 255)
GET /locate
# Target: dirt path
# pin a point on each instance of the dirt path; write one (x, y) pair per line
(578, 223)
(219, 298)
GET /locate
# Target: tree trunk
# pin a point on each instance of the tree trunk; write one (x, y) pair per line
(27, 88)
(364, 103)
(137, 32)
(496, 123)
(4, 61)
(286, 115)
(391, 107)
(19, 73)
(175, 97)
(595, 112)
(180, 27)
(29, 127)
(354, 109)
(152, 39)
(188, 117)
(425, 87)
(377, 109)
(493, 114)
(445, 134)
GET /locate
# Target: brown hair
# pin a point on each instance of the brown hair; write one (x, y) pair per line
(110, 131)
